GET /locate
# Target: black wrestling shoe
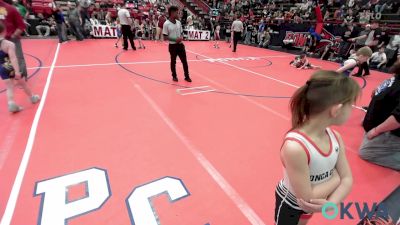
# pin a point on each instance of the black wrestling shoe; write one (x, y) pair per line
(188, 79)
(175, 79)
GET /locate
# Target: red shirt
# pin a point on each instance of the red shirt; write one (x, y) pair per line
(161, 21)
(11, 18)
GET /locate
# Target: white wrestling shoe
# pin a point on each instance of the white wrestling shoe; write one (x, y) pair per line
(35, 99)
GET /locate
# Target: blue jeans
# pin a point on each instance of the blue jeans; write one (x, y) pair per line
(383, 150)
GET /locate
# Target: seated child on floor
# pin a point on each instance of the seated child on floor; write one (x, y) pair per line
(301, 62)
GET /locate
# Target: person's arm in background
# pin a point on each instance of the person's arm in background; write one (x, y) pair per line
(391, 123)
(358, 38)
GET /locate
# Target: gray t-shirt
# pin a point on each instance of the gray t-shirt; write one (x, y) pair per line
(74, 15)
(124, 17)
(173, 30)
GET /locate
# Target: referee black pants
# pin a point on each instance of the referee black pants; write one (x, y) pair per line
(127, 34)
(236, 37)
(178, 50)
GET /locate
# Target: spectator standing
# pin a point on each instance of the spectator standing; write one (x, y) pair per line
(60, 24)
(124, 17)
(24, 13)
(237, 30)
(247, 34)
(75, 22)
(261, 28)
(160, 24)
(184, 16)
(15, 25)
(189, 22)
(381, 144)
(109, 20)
(84, 14)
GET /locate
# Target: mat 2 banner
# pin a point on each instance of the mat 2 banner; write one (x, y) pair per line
(104, 31)
(198, 35)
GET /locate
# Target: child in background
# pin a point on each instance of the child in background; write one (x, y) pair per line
(119, 32)
(296, 62)
(10, 72)
(264, 39)
(362, 55)
(303, 63)
(139, 27)
(316, 170)
(216, 35)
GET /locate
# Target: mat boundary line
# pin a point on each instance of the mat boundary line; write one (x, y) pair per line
(13, 198)
(151, 62)
(261, 75)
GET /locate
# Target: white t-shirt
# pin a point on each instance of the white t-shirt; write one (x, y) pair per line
(173, 30)
(124, 17)
(237, 26)
(378, 57)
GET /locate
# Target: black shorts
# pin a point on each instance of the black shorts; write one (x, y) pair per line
(287, 214)
(6, 74)
(139, 34)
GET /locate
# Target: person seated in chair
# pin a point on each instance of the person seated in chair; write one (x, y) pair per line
(44, 24)
(381, 144)
(378, 59)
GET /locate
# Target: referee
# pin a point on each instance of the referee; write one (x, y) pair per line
(237, 29)
(172, 31)
(126, 21)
